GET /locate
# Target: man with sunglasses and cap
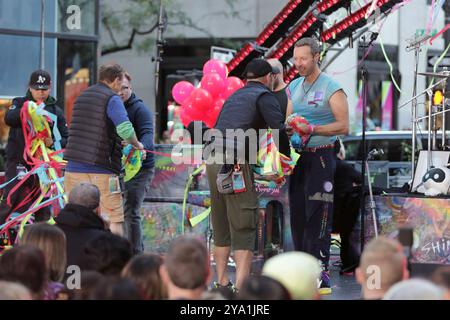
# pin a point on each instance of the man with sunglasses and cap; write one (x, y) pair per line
(39, 87)
(234, 216)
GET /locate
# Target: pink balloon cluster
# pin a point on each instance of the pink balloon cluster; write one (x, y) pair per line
(205, 103)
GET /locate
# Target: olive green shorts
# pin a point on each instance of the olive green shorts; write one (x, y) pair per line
(233, 216)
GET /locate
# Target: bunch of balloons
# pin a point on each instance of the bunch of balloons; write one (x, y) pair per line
(205, 102)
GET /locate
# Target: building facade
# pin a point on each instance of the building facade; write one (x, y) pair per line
(216, 23)
(70, 46)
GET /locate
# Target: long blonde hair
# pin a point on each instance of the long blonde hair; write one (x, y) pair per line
(52, 241)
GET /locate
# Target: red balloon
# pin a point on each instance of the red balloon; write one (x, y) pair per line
(185, 118)
(190, 110)
(202, 100)
(213, 83)
(181, 91)
(214, 114)
(210, 122)
(232, 85)
(219, 103)
(215, 66)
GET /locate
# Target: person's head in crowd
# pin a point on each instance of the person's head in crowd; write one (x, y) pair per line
(262, 288)
(112, 75)
(40, 85)
(108, 253)
(14, 291)
(26, 265)
(278, 77)
(415, 289)
(222, 293)
(259, 70)
(186, 269)
(143, 270)
(86, 195)
(298, 272)
(115, 288)
(383, 258)
(339, 149)
(52, 241)
(441, 277)
(126, 90)
(89, 281)
(307, 56)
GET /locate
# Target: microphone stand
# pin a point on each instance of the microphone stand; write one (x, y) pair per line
(363, 71)
(415, 45)
(372, 202)
(364, 74)
(160, 42)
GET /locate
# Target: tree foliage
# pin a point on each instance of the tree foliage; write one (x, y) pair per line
(134, 25)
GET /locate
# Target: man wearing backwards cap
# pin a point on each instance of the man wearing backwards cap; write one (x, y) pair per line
(39, 87)
(234, 216)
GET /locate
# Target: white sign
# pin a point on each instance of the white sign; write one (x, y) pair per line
(222, 54)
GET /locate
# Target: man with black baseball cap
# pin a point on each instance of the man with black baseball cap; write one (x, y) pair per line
(234, 216)
(39, 87)
(40, 80)
(258, 68)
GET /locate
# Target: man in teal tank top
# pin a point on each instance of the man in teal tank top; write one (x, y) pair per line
(322, 101)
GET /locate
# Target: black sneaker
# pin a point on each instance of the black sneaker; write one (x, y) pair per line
(230, 286)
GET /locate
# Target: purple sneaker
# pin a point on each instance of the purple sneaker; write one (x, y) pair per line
(324, 283)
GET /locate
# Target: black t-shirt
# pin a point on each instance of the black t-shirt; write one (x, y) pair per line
(282, 98)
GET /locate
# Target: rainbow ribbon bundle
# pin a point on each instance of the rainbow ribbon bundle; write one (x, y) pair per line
(298, 123)
(272, 166)
(45, 163)
(131, 161)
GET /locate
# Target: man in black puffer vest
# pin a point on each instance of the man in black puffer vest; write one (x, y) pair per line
(39, 91)
(94, 151)
(234, 216)
(142, 119)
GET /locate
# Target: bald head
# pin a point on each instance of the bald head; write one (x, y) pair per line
(275, 63)
(279, 81)
(85, 194)
(387, 255)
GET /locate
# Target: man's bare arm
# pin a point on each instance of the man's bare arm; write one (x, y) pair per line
(339, 107)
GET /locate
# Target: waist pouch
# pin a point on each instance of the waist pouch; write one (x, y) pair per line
(224, 179)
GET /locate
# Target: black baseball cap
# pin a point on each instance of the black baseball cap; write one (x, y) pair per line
(40, 80)
(258, 68)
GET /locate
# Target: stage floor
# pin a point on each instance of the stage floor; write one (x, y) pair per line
(344, 287)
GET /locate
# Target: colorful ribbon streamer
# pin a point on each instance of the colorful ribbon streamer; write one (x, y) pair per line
(45, 163)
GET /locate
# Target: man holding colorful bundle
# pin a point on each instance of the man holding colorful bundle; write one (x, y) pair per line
(16, 166)
(322, 102)
(94, 150)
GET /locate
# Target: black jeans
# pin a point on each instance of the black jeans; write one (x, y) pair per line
(346, 211)
(311, 203)
(133, 199)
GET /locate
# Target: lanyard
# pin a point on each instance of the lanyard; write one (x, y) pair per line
(312, 85)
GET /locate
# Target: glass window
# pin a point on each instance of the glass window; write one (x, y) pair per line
(76, 71)
(21, 60)
(26, 15)
(352, 151)
(77, 16)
